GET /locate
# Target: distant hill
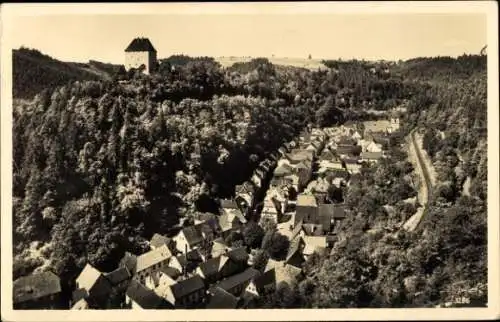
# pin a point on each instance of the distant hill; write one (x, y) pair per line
(34, 71)
(311, 64)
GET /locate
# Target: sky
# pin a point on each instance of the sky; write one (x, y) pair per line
(83, 37)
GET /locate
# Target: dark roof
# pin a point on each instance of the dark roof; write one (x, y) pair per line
(295, 246)
(206, 228)
(327, 155)
(230, 282)
(371, 155)
(187, 286)
(331, 211)
(210, 267)
(228, 204)
(297, 228)
(283, 170)
(79, 294)
(339, 212)
(337, 173)
(118, 275)
(193, 235)
(36, 286)
(351, 160)
(238, 254)
(265, 279)
(130, 262)
(221, 299)
(204, 216)
(146, 298)
(170, 271)
(313, 229)
(346, 140)
(191, 256)
(140, 44)
(158, 240)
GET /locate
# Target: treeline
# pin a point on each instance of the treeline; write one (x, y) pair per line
(34, 72)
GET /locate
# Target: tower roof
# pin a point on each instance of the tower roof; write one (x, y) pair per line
(140, 44)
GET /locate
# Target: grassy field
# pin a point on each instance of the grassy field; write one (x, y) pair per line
(285, 61)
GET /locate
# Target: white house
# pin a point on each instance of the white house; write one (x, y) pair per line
(140, 52)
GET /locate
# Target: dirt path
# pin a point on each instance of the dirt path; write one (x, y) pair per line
(425, 183)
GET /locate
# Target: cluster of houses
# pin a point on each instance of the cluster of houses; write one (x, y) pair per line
(197, 268)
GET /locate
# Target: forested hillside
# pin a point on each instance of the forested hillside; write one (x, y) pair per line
(99, 166)
(34, 71)
(445, 261)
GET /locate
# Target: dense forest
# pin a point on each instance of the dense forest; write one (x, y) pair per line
(101, 165)
(33, 71)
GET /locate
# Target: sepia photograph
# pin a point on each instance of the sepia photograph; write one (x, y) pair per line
(298, 160)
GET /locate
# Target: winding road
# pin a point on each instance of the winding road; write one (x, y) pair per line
(424, 191)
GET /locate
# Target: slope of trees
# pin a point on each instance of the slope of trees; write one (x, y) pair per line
(34, 72)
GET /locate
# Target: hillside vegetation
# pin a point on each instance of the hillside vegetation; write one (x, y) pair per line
(34, 72)
(99, 166)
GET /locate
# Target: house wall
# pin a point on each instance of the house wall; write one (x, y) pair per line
(152, 271)
(308, 214)
(191, 299)
(251, 288)
(181, 243)
(136, 59)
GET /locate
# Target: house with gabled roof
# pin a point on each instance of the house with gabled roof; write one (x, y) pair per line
(119, 278)
(270, 210)
(188, 239)
(236, 284)
(312, 229)
(150, 263)
(306, 208)
(221, 299)
(282, 170)
(331, 174)
(246, 191)
(264, 283)
(347, 150)
(186, 263)
(294, 256)
(210, 270)
(379, 126)
(140, 52)
(159, 240)
(372, 146)
(231, 218)
(289, 274)
(282, 151)
(352, 165)
(219, 247)
(81, 304)
(188, 293)
(140, 297)
(129, 261)
(93, 286)
(327, 155)
(38, 291)
(371, 157)
(314, 244)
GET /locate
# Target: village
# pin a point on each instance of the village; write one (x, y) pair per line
(198, 269)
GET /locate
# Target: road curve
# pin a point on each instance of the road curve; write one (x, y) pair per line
(414, 221)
